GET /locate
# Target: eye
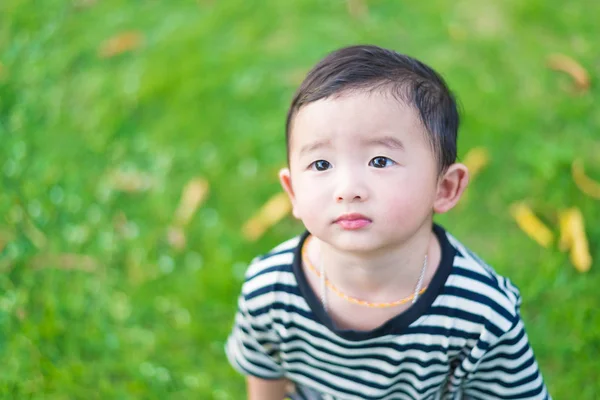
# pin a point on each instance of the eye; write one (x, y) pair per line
(320, 165)
(381, 162)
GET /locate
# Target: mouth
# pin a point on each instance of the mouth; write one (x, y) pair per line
(352, 221)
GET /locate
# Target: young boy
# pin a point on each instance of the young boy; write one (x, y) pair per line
(374, 300)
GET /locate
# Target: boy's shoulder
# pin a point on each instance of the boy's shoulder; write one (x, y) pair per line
(272, 267)
(279, 256)
(475, 280)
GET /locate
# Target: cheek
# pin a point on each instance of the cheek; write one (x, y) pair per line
(411, 198)
(310, 210)
(309, 198)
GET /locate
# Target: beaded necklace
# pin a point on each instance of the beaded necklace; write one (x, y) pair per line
(326, 283)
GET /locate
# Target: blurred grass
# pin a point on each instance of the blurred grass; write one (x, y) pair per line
(206, 95)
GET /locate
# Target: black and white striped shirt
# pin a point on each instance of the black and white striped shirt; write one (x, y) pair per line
(462, 339)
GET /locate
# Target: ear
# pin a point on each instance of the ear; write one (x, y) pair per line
(285, 178)
(451, 187)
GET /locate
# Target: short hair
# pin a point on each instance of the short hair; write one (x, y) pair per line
(372, 68)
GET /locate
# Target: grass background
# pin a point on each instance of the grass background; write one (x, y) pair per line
(205, 95)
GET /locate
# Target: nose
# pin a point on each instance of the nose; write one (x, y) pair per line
(351, 187)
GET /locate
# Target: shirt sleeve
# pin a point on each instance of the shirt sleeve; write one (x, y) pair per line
(253, 347)
(507, 370)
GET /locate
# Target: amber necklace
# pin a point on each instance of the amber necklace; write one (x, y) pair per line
(326, 283)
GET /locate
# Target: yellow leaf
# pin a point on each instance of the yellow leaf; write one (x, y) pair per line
(20, 313)
(566, 236)
(176, 237)
(272, 212)
(130, 181)
(572, 236)
(194, 193)
(5, 237)
(65, 261)
(35, 235)
(357, 8)
(531, 225)
(84, 3)
(457, 32)
(585, 184)
(120, 43)
(476, 159)
(563, 63)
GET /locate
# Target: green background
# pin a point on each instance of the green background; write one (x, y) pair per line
(205, 95)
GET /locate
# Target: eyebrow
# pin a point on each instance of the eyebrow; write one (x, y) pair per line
(315, 146)
(387, 141)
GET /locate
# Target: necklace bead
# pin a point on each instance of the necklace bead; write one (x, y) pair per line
(326, 283)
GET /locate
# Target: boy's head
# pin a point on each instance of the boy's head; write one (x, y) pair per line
(371, 140)
(374, 69)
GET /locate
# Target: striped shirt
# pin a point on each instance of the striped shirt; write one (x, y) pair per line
(462, 339)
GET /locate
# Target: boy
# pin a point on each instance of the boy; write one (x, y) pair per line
(375, 301)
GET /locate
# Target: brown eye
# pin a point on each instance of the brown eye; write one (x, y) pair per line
(381, 162)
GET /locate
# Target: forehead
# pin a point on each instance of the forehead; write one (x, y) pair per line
(356, 117)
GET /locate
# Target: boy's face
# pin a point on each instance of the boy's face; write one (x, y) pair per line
(362, 174)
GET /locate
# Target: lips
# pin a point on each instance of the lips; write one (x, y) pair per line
(352, 221)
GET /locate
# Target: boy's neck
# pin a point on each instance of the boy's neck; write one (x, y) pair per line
(386, 275)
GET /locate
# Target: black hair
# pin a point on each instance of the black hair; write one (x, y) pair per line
(373, 68)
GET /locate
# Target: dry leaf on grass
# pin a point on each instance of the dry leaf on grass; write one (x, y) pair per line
(176, 237)
(84, 3)
(130, 181)
(531, 225)
(563, 63)
(20, 313)
(476, 159)
(6, 266)
(121, 43)
(457, 32)
(5, 237)
(35, 235)
(120, 222)
(65, 261)
(584, 183)
(272, 212)
(194, 193)
(357, 8)
(572, 237)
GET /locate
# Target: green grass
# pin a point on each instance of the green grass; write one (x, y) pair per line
(206, 95)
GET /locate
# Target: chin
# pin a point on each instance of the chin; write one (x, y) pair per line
(355, 242)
